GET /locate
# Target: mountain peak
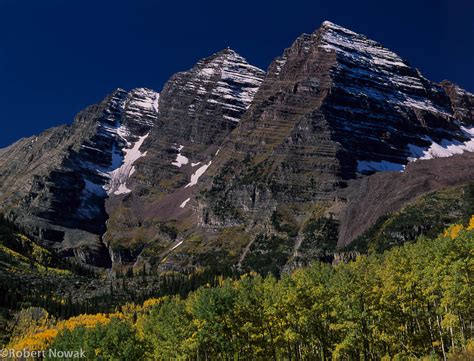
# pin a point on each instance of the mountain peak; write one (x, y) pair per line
(227, 52)
(226, 55)
(328, 25)
(349, 44)
(224, 62)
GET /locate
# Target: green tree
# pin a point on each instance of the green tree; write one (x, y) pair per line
(116, 341)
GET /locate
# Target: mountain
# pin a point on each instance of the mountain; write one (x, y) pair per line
(54, 185)
(335, 107)
(232, 166)
(197, 110)
(63, 185)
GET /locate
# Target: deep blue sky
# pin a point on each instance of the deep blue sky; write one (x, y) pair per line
(58, 56)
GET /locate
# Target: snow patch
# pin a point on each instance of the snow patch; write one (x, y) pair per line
(195, 177)
(180, 159)
(177, 245)
(155, 102)
(445, 148)
(119, 176)
(232, 119)
(184, 203)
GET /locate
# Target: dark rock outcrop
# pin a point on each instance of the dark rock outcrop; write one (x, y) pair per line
(54, 185)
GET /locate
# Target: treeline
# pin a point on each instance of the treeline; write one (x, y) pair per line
(20, 240)
(18, 293)
(30, 277)
(413, 301)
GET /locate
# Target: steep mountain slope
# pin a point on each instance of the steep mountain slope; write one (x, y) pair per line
(197, 110)
(333, 107)
(371, 198)
(427, 215)
(55, 185)
(77, 177)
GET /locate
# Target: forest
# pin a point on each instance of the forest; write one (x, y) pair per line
(413, 301)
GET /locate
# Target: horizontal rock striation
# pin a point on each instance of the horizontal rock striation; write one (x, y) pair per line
(335, 105)
(54, 185)
(198, 109)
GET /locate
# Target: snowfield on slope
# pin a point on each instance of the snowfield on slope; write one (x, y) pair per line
(195, 177)
(445, 148)
(118, 177)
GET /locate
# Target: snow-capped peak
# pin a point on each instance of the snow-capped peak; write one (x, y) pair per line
(330, 25)
(377, 72)
(357, 46)
(228, 81)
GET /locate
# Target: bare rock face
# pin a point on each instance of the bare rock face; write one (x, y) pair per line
(335, 105)
(54, 185)
(117, 167)
(198, 109)
(204, 104)
(462, 102)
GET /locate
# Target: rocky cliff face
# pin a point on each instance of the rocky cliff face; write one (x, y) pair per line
(462, 102)
(55, 184)
(231, 165)
(114, 167)
(335, 106)
(204, 104)
(198, 109)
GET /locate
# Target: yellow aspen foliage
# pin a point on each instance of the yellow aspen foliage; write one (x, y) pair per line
(130, 309)
(40, 339)
(152, 302)
(85, 321)
(470, 227)
(453, 231)
(36, 342)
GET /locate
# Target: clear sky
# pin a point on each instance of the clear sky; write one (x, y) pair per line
(58, 56)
